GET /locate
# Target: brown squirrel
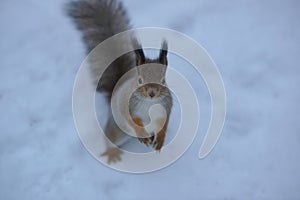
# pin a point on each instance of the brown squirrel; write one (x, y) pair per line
(99, 20)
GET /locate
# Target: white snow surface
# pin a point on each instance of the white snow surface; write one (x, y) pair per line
(255, 45)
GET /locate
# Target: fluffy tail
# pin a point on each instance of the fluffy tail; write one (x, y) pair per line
(99, 20)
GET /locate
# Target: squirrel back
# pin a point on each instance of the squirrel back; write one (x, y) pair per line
(99, 20)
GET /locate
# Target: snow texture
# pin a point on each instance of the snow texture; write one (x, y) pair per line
(254, 43)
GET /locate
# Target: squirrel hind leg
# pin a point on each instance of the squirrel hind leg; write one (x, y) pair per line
(113, 154)
(114, 139)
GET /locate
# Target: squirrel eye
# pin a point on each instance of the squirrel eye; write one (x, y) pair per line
(163, 81)
(140, 81)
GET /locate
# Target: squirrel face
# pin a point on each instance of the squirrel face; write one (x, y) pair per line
(152, 90)
(151, 73)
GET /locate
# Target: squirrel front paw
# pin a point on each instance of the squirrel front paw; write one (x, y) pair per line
(113, 154)
(156, 141)
(159, 140)
(147, 140)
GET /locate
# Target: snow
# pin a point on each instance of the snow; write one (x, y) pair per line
(255, 44)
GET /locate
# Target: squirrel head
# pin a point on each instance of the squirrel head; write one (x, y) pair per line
(151, 73)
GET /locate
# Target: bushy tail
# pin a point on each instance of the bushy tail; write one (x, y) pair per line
(99, 20)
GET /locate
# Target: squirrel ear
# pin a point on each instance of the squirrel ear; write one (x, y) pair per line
(139, 53)
(163, 53)
(140, 56)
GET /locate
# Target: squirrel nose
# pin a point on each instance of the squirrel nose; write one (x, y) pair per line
(151, 94)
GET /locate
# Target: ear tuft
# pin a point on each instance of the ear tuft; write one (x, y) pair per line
(163, 53)
(140, 57)
(139, 53)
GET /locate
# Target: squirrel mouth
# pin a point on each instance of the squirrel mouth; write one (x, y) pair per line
(151, 94)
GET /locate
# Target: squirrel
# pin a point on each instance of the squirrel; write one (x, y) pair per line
(99, 20)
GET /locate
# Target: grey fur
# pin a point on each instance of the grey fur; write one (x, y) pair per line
(98, 20)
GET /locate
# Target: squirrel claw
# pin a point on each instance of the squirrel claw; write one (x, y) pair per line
(148, 140)
(159, 141)
(145, 141)
(156, 141)
(113, 154)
